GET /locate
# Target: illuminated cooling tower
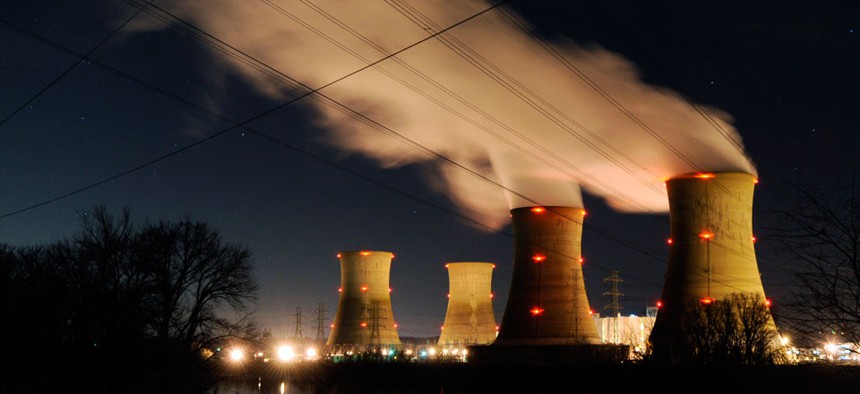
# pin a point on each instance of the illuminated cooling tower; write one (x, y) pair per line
(470, 318)
(547, 303)
(364, 315)
(711, 248)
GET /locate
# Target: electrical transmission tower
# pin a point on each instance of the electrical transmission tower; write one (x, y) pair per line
(298, 332)
(320, 335)
(614, 307)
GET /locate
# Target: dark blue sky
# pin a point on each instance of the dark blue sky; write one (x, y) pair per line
(785, 72)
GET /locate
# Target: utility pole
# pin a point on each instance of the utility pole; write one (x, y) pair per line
(614, 307)
(298, 332)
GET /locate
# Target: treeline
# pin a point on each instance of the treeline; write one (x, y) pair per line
(120, 306)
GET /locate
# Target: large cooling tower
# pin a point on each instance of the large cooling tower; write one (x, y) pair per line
(364, 315)
(470, 318)
(711, 248)
(547, 303)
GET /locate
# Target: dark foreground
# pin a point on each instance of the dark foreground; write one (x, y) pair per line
(466, 378)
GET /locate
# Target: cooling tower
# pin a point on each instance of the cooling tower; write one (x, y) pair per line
(711, 248)
(364, 315)
(470, 318)
(547, 303)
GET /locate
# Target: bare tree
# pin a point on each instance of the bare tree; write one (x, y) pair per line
(820, 233)
(152, 296)
(737, 330)
(194, 276)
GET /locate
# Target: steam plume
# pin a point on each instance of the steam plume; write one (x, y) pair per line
(539, 119)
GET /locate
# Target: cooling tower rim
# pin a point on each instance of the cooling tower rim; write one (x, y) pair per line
(713, 174)
(470, 263)
(364, 252)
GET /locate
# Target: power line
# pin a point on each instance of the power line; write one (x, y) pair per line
(74, 65)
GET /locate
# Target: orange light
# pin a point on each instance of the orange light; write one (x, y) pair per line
(363, 288)
(395, 325)
(707, 300)
(441, 327)
(538, 258)
(706, 235)
(705, 175)
(584, 213)
(536, 311)
(538, 209)
(494, 266)
(669, 241)
(581, 260)
(449, 295)
(332, 325)
(340, 290)
(767, 302)
(446, 265)
(492, 295)
(659, 304)
(755, 180)
(497, 328)
(338, 255)
(590, 312)
(754, 239)
(389, 290)
(364, 253)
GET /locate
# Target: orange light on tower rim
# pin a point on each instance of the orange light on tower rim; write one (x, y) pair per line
(538, 210)
(707, 300)
(705, 175)
(659, 304)
(706, 235)
(669, 241)
(364, 253)
(363, 324)
(536, 311)
(538, 258)
(364, 288)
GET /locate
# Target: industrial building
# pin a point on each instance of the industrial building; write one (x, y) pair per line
(712, 254)
(469, 319)
(364, 319)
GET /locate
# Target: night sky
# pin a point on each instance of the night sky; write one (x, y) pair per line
(202, 111)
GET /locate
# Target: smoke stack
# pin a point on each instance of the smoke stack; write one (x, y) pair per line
(470, 318)
(364, 315)
(711, 247)
(547, 303)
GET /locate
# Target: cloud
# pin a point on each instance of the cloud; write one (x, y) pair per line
(505, 120)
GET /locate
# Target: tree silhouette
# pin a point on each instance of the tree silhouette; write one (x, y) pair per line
(117, 302)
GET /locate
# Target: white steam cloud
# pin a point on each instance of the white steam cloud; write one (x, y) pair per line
(526, 122)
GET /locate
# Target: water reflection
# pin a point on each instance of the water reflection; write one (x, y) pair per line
(260, 386)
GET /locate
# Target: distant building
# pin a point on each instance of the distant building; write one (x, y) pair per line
(629, 330)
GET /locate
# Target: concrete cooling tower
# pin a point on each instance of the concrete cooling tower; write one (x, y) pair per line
(547, 303)
(470, 318)
(364, 315)
(711, 252)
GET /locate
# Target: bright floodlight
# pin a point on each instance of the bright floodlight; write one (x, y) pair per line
(237, 355)
(286, 353)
